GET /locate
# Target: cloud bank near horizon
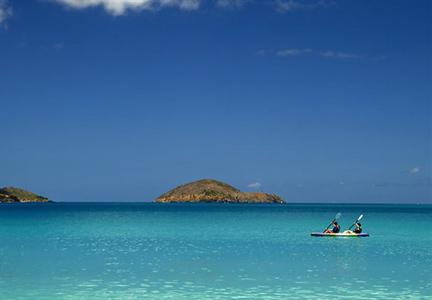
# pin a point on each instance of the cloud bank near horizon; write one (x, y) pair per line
(254, 185)
(414, 170)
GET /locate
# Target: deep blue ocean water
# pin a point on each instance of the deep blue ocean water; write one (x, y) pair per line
(212, 251)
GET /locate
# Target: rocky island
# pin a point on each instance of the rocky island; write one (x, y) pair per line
(209, 190)
(16, 195)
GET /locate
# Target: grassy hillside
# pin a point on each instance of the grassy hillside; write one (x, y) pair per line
(210, 190)
(13, 194)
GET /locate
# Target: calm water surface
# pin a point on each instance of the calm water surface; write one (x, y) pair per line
(212, 251)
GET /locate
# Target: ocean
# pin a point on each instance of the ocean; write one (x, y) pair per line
(212, 251)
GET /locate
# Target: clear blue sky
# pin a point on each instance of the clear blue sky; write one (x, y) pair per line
(318, 101)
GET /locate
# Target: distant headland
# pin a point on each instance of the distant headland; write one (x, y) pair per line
(17, 195)
(210, 190)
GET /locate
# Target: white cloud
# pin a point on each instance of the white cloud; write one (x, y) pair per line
(231, 3)
(289, 5)
(292, 5)
(414, 170)
(5, 11)
(341, 55)
(120, 7)
(326, 54)
(292, 52)
(58, 46)
(255, 185)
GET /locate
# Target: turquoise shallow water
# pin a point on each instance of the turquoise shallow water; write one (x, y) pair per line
(211, 251)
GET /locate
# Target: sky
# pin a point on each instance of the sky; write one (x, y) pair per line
(122, 100)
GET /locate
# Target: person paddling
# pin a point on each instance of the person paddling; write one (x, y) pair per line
(336, 228)
(358, 228)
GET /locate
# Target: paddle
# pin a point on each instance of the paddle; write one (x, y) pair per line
(359, 218)
(335, 218)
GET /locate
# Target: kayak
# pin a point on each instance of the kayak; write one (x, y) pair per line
(347, 233)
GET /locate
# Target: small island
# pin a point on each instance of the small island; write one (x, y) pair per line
(17, 195)
(210, 190)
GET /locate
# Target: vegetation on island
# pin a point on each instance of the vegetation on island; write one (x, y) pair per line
(210, 190)
(17, 195)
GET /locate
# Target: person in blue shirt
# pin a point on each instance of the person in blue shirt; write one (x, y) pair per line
(336, 228)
